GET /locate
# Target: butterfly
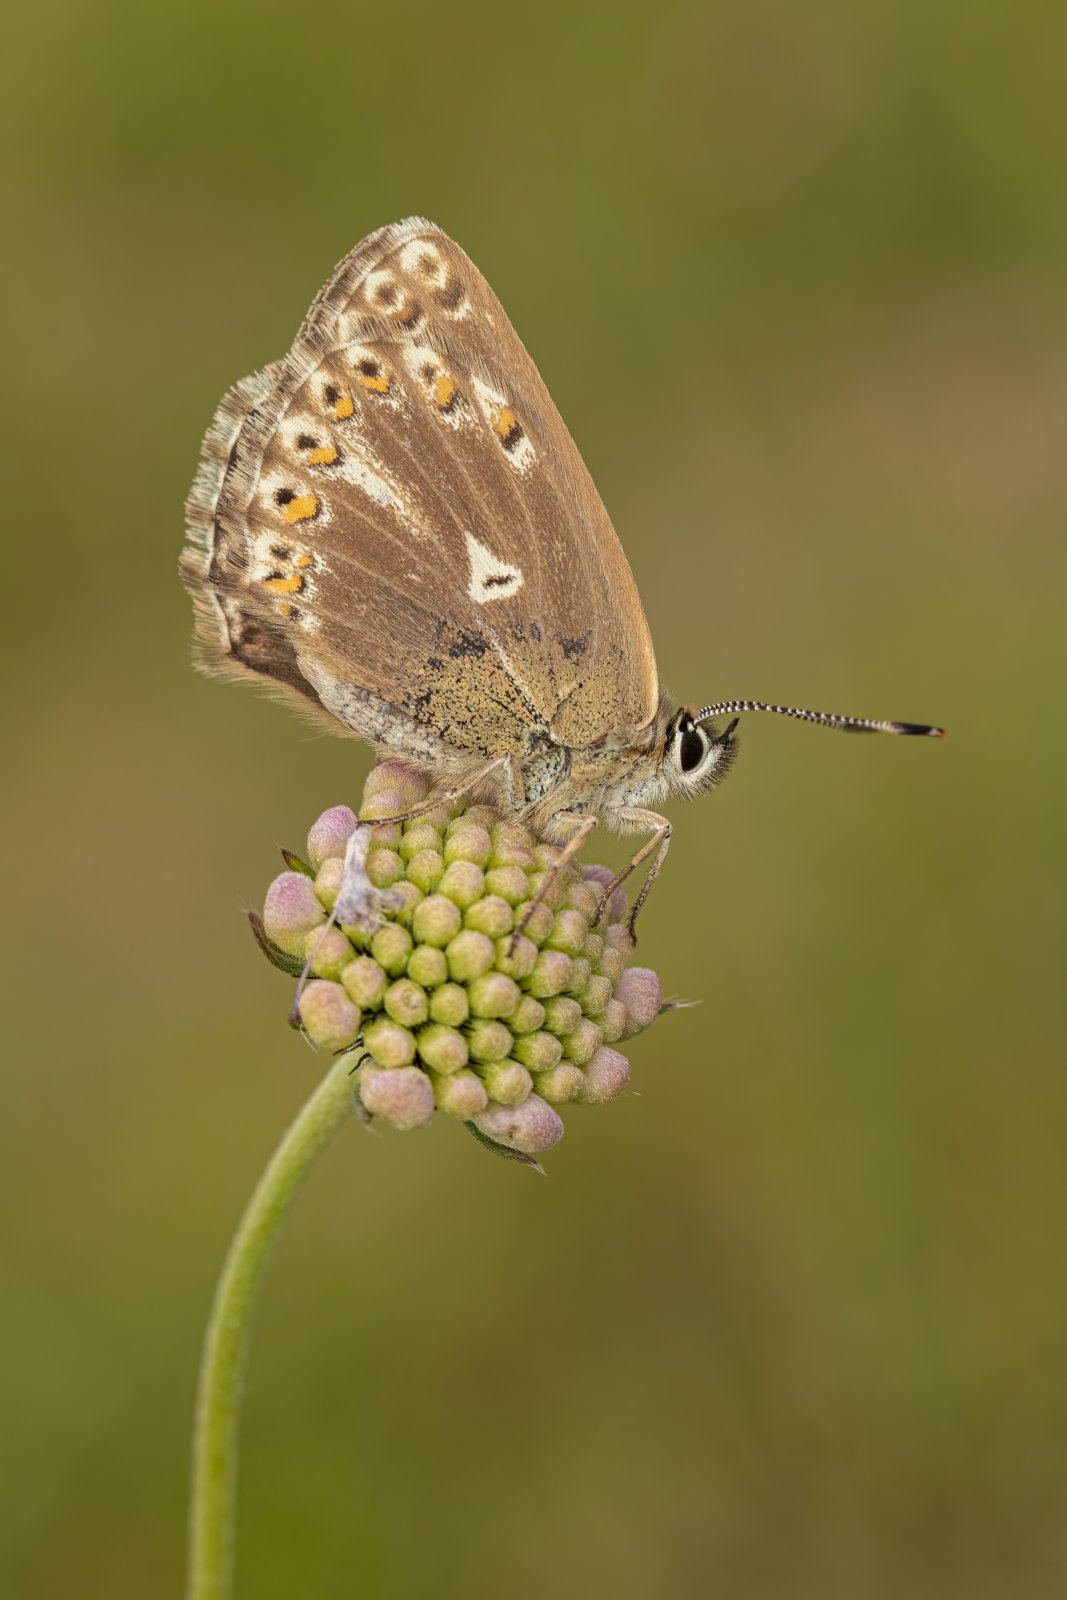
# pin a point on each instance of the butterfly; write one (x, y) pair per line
(392, 528)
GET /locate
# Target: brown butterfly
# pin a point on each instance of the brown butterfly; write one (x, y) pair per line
(393, 528)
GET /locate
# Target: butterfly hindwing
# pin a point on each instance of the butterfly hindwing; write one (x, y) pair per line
(394, 523)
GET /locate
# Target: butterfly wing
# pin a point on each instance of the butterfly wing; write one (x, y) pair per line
(393, 525)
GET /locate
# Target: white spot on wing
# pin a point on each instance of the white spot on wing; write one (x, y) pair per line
(423, 260)
(491, 579)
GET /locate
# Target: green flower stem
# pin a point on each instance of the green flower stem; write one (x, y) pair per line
(229, 1331)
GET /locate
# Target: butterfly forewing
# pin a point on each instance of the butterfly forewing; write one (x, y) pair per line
(394, 522)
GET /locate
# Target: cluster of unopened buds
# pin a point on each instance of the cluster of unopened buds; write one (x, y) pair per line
(404, 939)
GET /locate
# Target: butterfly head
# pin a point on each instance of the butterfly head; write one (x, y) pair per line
(694, 755)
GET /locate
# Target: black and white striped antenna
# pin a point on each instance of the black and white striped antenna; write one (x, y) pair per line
(825, 719)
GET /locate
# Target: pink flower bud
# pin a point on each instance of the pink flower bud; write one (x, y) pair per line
(410, 784)
(329, 834)
(401, 1096)
(529, 1127)
(606, 1076)
(640, 992)
(290, 910)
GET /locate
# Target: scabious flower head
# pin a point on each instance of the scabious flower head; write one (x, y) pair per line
(407, 936)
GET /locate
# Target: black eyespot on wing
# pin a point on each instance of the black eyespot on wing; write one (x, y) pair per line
(691, 749)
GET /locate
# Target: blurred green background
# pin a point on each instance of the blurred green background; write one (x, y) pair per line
(792, 1319)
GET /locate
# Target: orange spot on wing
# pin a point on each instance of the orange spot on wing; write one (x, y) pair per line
(305, 560)
(443, 391)
(343, 407)
(291, 585)
(380, 384)
(325, 455)
(301, 508)
(505, 422)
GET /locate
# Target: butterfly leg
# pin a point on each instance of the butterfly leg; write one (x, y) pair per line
(582, 824)
(635, 819)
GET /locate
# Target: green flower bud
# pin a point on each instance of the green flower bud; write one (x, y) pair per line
(506, 1082)
(329, 835)
(511, 849)
(562, 1014)
(391, 946)
(426, 870)
(593, 950)
(539, 925)
(516, 957)
(569, 932)
(467, 841)
(489, 1041)
(612, 1022)
(364, 983)
(328, 881)
(407, 896)
(328, 951)
(640, 992)
(581, 972)
(538, 1052)
(619, 937)
(490, 915)
(606, 1075)
(463, 883)
(389, 1043)
(427, 966)
(406, 1003)
(510, 883)
(469, 955)
(595, 995)
(530, 1127)
(449, 1004)
(328, 1015)
(461, 1095)
(528, 1016)
(436, 920)
(483, 816)
(549, 888)
(611, 965)
(583, 897)
(562, 1083)
(420, 835)
(553, 972)
(384, 867)
(403, 1096)
(581, 1045)
(444, 1049)
(290, 910)
(492, 995)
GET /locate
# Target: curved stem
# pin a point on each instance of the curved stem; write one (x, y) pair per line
(229, 1329)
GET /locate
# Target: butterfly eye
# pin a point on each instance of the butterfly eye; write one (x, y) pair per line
(691, 748)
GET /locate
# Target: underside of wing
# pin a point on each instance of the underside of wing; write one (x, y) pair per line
(393, 524)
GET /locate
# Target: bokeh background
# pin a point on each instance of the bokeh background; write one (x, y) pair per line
(792, 1319)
